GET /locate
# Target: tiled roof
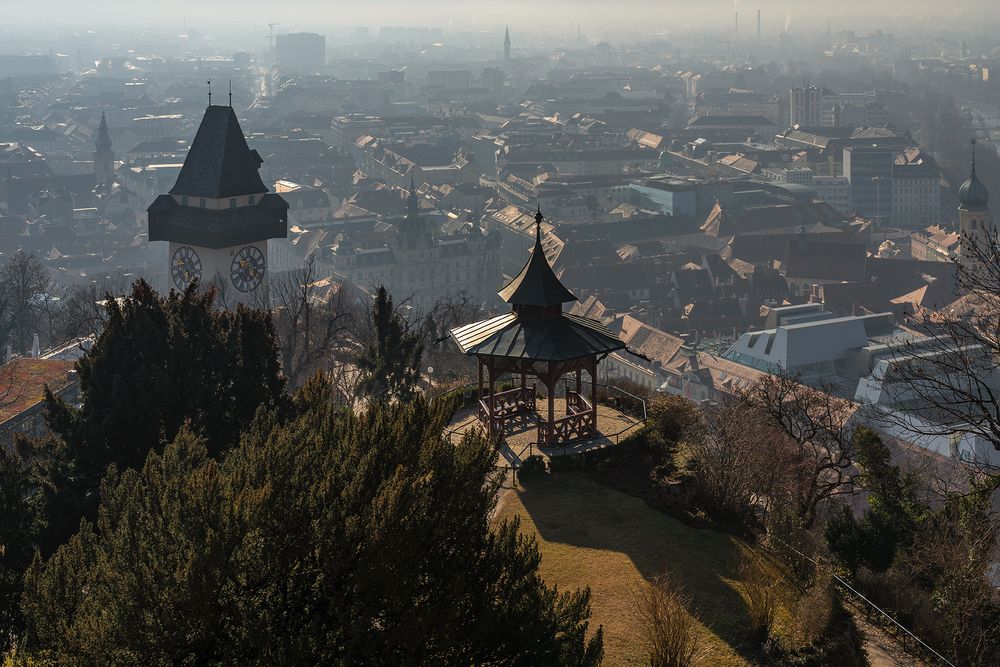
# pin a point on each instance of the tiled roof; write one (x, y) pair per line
(27, 378)
(219, 163)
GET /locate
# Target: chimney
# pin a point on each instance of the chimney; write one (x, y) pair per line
(36, 347)
(758, 25)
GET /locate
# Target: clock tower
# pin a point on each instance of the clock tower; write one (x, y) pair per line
(219, 215)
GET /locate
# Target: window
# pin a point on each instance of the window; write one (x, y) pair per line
(184, 201)
(202, 203)
(252, 200)
(232, 202)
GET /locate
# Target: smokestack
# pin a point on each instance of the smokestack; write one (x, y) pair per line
(758, 25)
(736, 35)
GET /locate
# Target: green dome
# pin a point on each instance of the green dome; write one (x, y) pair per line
(973, 194)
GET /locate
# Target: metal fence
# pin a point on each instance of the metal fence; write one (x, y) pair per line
(910, 642)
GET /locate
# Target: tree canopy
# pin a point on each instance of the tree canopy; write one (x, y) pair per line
(162, 361)
(332, 538)
(389, 366)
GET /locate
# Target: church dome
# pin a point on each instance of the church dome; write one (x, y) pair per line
(973, 194)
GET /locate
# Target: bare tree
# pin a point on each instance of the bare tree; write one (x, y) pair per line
(946, 381)
(737, 456)
(24, 285)
(82, 310)
(817, 425)
(310, 327)
(448, 312)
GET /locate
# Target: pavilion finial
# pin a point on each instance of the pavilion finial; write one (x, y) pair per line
(538, 223)
(209, 92)
(972, 142)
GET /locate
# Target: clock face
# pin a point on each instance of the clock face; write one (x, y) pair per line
(247, 270)
(185, 267)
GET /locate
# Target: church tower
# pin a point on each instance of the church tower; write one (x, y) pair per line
(506, 44)
(219, 215)
(104, 157)
(973, 217)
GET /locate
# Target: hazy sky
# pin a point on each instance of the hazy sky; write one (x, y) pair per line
(651, 14)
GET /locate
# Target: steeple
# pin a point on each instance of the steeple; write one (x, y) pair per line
(506, 44)
(103, 142)
(412, 203)
(973, 195)
(104, 157)
(973, 218)
(537, 285)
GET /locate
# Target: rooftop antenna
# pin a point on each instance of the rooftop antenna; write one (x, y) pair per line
(230, 93)
(209, 92)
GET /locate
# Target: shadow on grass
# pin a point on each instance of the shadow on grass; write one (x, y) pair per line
(572, 509)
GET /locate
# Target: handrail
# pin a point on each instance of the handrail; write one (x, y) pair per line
(840, 580)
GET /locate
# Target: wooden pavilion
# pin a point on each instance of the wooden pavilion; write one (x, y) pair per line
(538, 339)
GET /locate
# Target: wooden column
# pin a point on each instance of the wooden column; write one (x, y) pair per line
(524, 382)
(480, 360)
(552, 400)
(593, 392)
(489, 429)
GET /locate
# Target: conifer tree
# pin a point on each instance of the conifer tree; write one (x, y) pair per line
(332, 537)
(161, 362)
(389, 367)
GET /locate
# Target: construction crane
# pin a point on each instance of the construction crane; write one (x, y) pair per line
(270, 37)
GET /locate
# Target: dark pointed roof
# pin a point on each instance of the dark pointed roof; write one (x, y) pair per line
(973, 194)
(103, 141)
(219, 163)
(536, 284)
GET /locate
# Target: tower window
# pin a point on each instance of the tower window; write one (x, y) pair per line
(232, 202)
(252, 200)
(184, 201)
(201, 202)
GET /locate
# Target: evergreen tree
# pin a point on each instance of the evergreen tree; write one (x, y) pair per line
(16, 541)
(389, 367)
(894, 515)
(161, 362)
(330, 538)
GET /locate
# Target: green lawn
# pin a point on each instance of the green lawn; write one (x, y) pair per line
(592, 535)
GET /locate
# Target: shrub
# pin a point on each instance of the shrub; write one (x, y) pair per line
(760, 591)
(815, 610)
(670, 630)
(672, 416)
(532, 466)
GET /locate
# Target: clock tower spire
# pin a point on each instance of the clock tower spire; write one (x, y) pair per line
(219, 215)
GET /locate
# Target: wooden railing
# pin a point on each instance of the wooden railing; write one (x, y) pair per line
(576, 403)
(507, 404)
(580, 425)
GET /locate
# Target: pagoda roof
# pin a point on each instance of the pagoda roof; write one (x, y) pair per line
(219, 163)
(536, 284)
(559, 338)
